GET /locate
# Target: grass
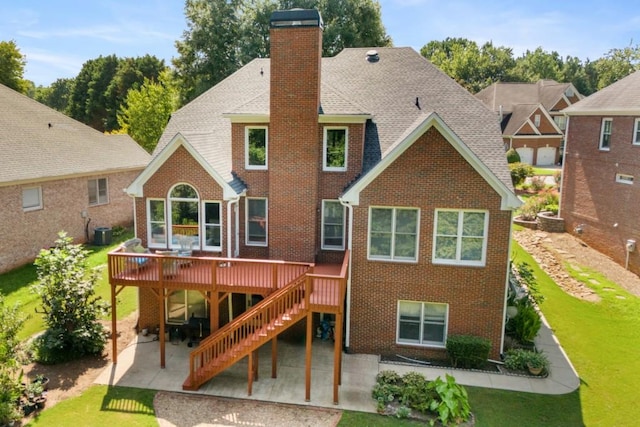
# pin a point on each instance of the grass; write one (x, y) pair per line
(15, 285)
(601, 340)
(102, 405)
(544, 171)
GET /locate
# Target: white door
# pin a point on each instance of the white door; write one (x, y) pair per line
(546, 156)
(526, 155)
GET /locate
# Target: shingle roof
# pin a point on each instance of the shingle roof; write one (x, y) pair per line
(621, 97)
(387, 90)
(508, 94)
(519, 115)
(38, 143)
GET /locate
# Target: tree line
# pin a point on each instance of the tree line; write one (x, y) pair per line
(138, 95)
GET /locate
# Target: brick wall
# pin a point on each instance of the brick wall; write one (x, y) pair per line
(25, 233)
(429, 175)
(605, 212)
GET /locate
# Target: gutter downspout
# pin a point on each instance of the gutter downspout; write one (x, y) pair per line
(564, 162)
(230, 204)
(347, 314)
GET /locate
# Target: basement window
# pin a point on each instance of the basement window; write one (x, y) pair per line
(624, 179)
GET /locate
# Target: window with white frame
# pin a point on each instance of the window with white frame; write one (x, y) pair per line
(422, 323)
(561, 121)
(184, 215)
(460, 237)
(32, 198)
(536, 120)
(333, 225)
(181, 305)
(605, 134)
(256, 147)
(257, 222)
(156, 224)
(393, 233)
(98, 192)
(636, 132)
(624, 178)
(335, 147)
(212, 225)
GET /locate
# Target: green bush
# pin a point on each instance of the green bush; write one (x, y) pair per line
(526, 324)
(513, 156)
(451, 401)
(468, 351)
(519, 359)
(520, 172)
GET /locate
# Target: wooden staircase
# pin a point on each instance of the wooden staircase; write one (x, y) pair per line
(248, 332)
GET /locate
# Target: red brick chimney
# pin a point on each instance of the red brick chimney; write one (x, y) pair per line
(295, 149)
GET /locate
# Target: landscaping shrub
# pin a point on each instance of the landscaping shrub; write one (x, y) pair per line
(468, 351)
(519, 359)
(11, 320)
(520, 172)
(66, 285)
(537, 183)
(451, 402)
(526, 324)
(513, 156)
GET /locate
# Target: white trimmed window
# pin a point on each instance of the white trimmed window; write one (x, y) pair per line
(256, 147)
(636, 132)
(32, 199)
(98, 192)
(212, 225)
(422, 323)
(624, 178)
(536, 120)
(460, 237)
(561, 121)
(333, 225)
(393, 234)
(256, 222)
(156, 224)
(605, 134)
(184, 215)
(335, 147)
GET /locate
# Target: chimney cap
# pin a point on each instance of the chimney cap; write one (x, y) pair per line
(296, 18)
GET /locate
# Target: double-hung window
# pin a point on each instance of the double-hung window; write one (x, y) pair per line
(212, 226)
(335, 149)
(393, 233)
(31, 199)
(257, 222)
(256, 147)
(156, 226)
(636, 132)
(98, 194)
(460, 237)
(333, 225)
(422, 323)
(605, 134)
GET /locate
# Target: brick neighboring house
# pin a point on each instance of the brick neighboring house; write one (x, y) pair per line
(601, 177)
(300, 158)
(531, 119)
(58, 174)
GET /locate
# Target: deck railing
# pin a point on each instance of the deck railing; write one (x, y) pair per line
(248, 332)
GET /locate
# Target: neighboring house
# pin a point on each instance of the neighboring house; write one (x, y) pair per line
(531, 118)
(375, 155)
(58, 174)
(601, 176)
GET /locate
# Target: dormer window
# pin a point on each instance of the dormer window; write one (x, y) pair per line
(335, 148)
(536, 120)
(256, 147)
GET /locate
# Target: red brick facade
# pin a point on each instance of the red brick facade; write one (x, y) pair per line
(596, 208)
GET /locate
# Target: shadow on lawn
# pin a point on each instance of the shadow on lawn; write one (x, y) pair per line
(127, 400)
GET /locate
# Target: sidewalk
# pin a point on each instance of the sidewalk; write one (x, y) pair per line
(138, 366)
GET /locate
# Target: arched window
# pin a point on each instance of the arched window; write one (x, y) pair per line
(184, 214)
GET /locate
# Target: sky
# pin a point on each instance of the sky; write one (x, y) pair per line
(58, 36)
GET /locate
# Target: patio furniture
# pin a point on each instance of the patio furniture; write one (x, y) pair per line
(170, 265)
(135, 246)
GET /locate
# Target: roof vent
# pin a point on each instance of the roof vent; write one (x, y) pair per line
(372, 56)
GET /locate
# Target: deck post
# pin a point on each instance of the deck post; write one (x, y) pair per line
(214, 311)
(161, 319)
(114, 326)
(337, 357)
(307, 373)
(274, 357)
(250, 373)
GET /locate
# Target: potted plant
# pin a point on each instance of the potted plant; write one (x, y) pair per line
(537, 363)
(44, 381)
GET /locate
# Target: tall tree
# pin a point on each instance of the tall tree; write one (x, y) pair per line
(538, 64)
(616, 64)
(12, 64)
(57, 95)
(147, 110)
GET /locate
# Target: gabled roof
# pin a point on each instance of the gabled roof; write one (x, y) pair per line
(619, 98)
(521, 116)
(38, 143)
(509, 94)
(420, 126)
(394, 92)
(231, 185)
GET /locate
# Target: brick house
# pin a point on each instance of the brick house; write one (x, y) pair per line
(375, 155)
(600, 194)
(531, 117)
(58, 174)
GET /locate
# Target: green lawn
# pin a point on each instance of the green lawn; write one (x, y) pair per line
(537, 171)
(602, 340)
(15, 285)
